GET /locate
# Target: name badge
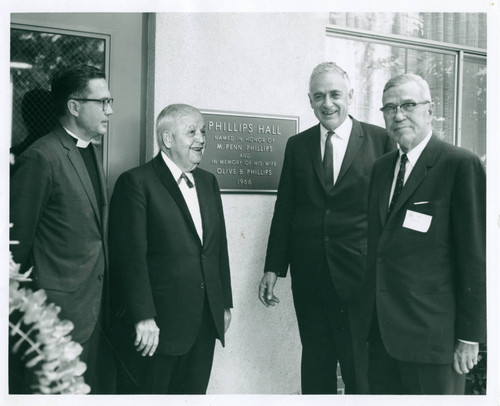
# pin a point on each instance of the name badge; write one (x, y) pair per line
(417, 221)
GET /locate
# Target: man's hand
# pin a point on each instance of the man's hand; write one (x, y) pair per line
(266, 289)
(465, 357)
(227, 319)
(147, 335)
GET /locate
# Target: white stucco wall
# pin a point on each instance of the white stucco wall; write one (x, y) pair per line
(253, 63)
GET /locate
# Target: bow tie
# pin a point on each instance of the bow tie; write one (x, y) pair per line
(186, 179)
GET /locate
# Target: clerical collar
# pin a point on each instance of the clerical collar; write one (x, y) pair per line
(79, 142)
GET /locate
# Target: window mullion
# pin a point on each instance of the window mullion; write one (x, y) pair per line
(459, 75)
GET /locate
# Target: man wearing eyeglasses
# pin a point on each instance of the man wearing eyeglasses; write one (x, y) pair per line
(59, 211)
(425, 289)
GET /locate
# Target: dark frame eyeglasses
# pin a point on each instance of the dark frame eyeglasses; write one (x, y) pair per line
(391, 110)
(108, 101)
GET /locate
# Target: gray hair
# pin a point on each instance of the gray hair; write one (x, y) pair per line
(329, 67)
(168, 116)
(406, 78)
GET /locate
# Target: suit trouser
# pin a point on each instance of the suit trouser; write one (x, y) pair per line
(169, 374)
(389, 376)
(189, 373)
(326, 338)
(100, 374)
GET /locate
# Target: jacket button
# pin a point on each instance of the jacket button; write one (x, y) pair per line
(380, 259)
(328, 211)
(202, 285)
(327, 238)
(202, 256)
(100, 276)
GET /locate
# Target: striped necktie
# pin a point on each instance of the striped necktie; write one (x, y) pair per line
(399, 181)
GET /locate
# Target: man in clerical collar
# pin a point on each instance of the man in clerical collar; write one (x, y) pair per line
(59, 211)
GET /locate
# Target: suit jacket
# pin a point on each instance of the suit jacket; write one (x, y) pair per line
(160, 268)
(61, 227)
(429, 285)
(310, 223)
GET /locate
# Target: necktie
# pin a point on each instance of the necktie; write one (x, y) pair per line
(328, 161)
(186, 179)
(399, 181)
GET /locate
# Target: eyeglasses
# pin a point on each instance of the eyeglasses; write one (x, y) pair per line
(391, 110)
(108, 101)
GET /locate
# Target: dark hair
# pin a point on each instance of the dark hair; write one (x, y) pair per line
(72, 82)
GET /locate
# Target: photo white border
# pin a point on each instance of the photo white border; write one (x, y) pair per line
(493, 199)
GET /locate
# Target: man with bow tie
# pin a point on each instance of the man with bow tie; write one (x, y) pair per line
(169, 260)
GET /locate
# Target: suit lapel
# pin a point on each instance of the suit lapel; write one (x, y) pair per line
(77, 161)
(419, 172)
(168, 181)
(314, 146)
(102, 185)
(356, 138)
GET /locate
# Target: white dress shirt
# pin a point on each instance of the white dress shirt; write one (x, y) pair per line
(189, 194)
(412, 156)
(340, 139)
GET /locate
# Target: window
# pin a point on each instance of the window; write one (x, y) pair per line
(34, 57)
(446, 49)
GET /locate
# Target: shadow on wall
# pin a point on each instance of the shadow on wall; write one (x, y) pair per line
(38, 115)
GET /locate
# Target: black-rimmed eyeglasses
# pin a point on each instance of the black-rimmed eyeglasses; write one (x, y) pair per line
(391, 110)
(108, 101)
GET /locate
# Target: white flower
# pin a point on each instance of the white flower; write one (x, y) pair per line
(51, 353)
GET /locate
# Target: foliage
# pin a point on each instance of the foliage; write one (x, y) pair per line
(476, 379)
(42, 340)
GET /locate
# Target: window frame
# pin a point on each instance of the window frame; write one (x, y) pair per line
(77, 33)
(460, 52)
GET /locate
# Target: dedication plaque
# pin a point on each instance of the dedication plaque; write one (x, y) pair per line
(245, 151)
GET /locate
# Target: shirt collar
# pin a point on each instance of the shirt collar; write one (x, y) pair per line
(79, 142)
(343, 131)
(174, 169)
(415, 152)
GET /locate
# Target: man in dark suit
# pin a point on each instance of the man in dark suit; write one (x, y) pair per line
(426, 291)
(58, 207)
(170, 266)
(319, 229)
